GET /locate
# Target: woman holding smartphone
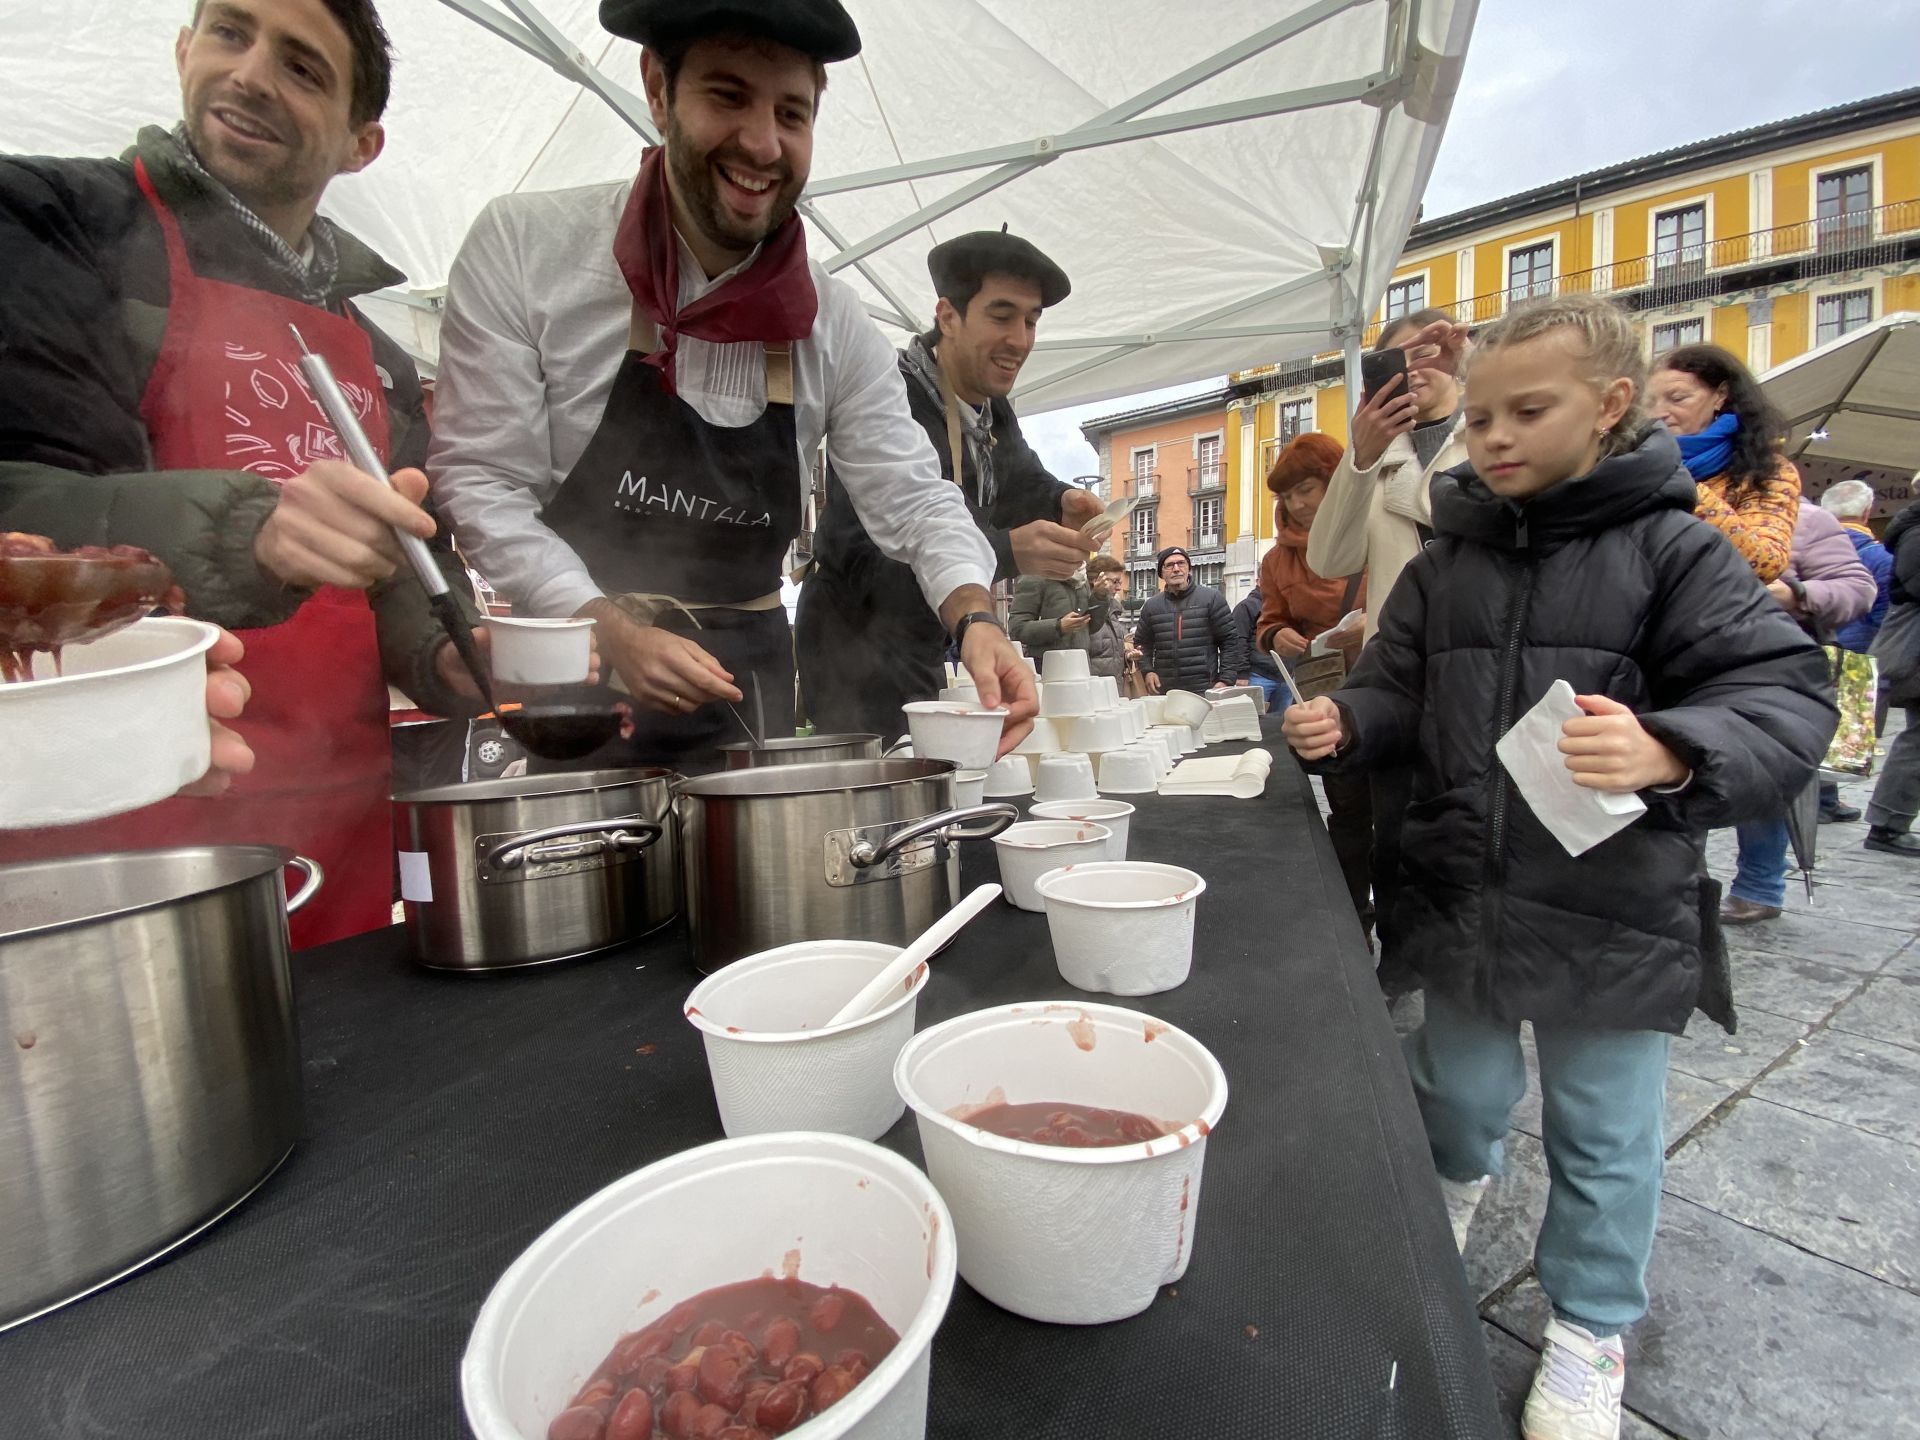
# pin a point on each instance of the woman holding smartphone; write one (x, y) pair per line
(1376, 517)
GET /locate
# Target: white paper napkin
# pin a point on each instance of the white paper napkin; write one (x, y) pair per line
(1578, 817)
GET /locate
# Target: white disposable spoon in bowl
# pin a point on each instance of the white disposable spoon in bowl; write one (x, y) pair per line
(922, 949)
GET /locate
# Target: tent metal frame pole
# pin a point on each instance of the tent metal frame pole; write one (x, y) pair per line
(1222, 312)
(1045, 149)
(1184, 337)
(1827, 413)
(1126, 110)
(538, 36)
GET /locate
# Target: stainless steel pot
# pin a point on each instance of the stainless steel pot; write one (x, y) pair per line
(851, 850)
(802, 750)
(503, 873)
(151, 1073)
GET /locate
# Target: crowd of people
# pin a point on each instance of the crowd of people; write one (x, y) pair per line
(631, 379)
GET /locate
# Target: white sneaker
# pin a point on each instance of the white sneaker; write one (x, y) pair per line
(1577, 1389)
(1463, 1198)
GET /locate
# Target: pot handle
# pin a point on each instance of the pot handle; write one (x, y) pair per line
(316, 877)
(618, 833)
(905, 742)
(948, 824)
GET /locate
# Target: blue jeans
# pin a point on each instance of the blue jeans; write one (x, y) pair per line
(1761, 875)
(1603, 1103)
(1276, 693)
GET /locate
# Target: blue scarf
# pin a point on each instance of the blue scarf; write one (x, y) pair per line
(1706, 454)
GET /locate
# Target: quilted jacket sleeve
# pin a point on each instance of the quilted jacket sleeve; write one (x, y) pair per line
(1383, 698)
(1742, 694)
(75, 465)
(1838, 586)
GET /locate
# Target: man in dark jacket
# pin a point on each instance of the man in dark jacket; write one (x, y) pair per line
(1896, 795)
(149, 395)
(1186, 633)
(865, 640)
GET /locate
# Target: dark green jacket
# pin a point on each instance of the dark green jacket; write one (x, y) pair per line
(83, 308)
(1038, 606)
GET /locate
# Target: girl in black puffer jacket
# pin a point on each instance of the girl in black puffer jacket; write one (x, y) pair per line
(1568, 549)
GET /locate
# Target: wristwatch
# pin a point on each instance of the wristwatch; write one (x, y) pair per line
(967, 622)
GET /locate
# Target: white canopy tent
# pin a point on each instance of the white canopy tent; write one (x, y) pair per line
(1853, 407)
(1228, 182)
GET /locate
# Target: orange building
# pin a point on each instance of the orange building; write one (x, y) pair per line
(1173, 458)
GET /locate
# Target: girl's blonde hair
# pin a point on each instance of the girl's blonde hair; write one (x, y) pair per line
(1609, 351)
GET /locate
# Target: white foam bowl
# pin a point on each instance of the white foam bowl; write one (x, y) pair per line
(954, 730)
(1155, 743)
(961, 694)
(1121, 927)
(123, 724)
(1028, 849)
(1060, 698)
(1009, 775)
(969, 787)
(856, 1216)
(1074, 1237)
(531, 651)
(1116, 815)
(1239, 692)
(1136, 714)
(1106, 692)
(1043, 739)
(774, 1063)
(1097, 733)
(1178, 737)
(1128, 772)
(1155, 709)
(1183, 707)
(1063, 665)
(1065, 776)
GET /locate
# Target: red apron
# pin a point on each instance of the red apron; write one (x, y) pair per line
(226, 394)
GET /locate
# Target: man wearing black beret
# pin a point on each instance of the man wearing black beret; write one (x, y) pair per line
(635, 377)
(867, 642)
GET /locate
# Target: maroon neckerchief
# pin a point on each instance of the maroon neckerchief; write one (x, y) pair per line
(772, 300)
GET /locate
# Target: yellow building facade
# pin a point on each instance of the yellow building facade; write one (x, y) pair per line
(1768, 241)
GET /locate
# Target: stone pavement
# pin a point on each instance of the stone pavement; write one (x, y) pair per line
(1786, 1276)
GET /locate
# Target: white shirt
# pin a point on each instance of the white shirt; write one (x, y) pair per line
(535, 329)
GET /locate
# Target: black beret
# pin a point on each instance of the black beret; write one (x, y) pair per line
(817, 28)
(958, 263)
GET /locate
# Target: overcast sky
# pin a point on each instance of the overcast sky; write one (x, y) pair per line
(1556, 87)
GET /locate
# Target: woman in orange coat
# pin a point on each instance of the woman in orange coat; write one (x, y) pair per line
(1729, 436)
(1297, 607)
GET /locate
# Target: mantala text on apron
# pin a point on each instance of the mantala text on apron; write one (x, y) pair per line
(226, 393)
(684, 523)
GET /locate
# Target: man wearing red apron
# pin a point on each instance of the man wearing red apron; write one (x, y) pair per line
(150, 394)
(634, 379)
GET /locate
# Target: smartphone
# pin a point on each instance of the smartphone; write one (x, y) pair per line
(1379, 366)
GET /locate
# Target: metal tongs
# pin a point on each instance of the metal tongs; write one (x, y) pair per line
(326, 390)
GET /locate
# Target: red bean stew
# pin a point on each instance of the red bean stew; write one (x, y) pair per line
(1080, 1127)
(740, 1362)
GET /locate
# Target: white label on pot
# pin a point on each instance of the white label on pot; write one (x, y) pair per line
(416, 880)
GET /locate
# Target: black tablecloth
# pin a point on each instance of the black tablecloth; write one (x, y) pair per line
(451, 1119)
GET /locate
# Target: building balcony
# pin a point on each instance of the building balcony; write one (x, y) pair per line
(1805, 250)
(1143, 485)
(1205, 479)
(1143, 548)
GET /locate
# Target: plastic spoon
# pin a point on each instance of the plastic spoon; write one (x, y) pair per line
(922, 949)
